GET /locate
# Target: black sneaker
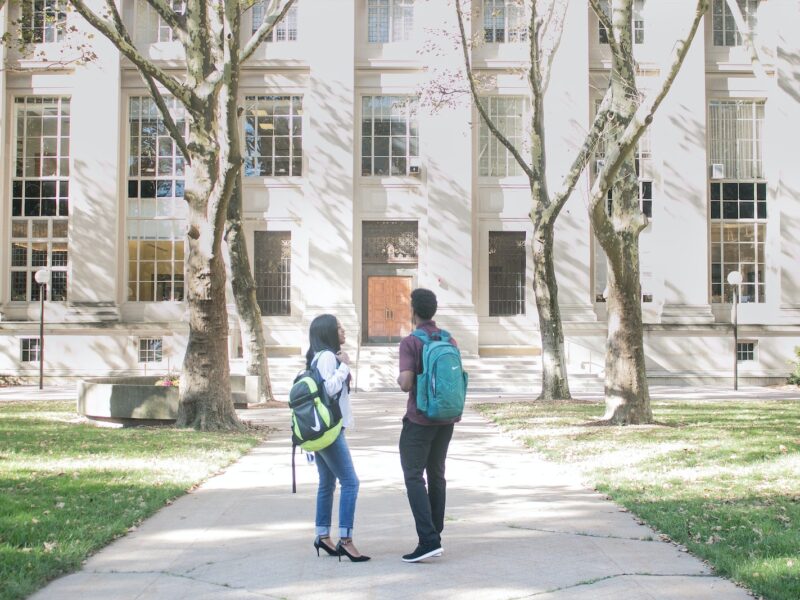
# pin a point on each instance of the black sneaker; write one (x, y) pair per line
(423, 552)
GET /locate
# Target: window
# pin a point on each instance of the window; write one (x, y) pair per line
(507, 258)
(637, 22)
(150, 350)
(389, 20)
(738, 198)
(390, 242)
(273, 272)
(43, 21)
(745, 351)
(507, 113)
(40, 197)
(285, 30)
(725, 31)
(150, 27)
(504, 21)
(156, 210)
(273, 131)
(389, 135)
(29, 350)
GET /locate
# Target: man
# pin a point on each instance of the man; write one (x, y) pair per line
(423, 443)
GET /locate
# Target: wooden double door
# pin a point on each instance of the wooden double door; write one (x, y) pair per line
(388, 308)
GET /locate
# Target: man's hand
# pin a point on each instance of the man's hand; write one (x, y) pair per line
(406, 380)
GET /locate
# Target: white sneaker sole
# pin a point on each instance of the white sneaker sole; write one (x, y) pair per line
(431, 554)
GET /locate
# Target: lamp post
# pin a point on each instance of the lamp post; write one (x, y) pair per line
(42, 277)
(735, 280)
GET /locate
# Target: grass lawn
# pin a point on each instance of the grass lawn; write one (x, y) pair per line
(720, 477)
(69, 488)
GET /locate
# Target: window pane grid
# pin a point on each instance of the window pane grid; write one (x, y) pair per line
(284, 30)
(389, 135)
(29, 350)
(273, 272)
(745, 351)
(507, 113)
(725, 32)
(507, 266)
(738, 203)
(40, 197)
(43, 21)
(156, 211)
(274, 136)
(504, 21)
(151, 350)
(165, 33)
(389, 21)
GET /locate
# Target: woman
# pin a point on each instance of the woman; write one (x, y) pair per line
(326, 337)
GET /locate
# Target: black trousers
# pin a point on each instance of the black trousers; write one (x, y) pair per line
(423, 449)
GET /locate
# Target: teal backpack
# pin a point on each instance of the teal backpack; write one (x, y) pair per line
(442, 385)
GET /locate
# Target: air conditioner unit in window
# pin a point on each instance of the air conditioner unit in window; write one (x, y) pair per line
(599, 164)
(717, 171)
(413, 165)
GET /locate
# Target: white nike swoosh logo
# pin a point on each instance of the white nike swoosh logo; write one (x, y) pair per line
(316, 426)
(453, 368)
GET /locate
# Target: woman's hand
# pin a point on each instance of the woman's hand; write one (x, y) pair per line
(343, 357)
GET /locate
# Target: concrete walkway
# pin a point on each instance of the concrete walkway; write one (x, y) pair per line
(516, 527)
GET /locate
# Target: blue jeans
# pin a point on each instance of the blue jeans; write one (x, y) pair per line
(334, 462)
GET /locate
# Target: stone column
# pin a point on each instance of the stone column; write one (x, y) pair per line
(784, 110)
(450, 238)
(329, 145)
(567, 114)
(680, 213)
(95, 183)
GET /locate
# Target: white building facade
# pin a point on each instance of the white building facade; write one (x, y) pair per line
(356, 191)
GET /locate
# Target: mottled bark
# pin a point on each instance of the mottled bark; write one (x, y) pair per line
(205, 391)
(554, 368)
(244, 292)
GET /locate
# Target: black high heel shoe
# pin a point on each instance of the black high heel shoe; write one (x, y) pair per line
(318, 543)
(341, 550)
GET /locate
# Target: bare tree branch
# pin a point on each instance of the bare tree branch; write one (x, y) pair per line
(474, 91)
(588, 146)
(616, 153)
(121, 40)
(176, 21)
(271, 18)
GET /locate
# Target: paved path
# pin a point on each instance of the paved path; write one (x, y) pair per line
(516, 527)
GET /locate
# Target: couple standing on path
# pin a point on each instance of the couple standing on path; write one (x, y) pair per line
(423, 443)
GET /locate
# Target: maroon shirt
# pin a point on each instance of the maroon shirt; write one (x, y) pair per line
(411, 360)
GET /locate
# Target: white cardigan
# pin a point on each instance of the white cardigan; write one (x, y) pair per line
(334, 378)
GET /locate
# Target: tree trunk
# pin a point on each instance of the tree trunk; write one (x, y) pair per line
(554, 367)
(244, 292)
(627, 395)
(205, 389)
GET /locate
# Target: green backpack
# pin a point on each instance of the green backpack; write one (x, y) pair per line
(442, 385)
(316, 417)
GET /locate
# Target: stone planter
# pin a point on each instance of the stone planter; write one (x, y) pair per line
(130, 400)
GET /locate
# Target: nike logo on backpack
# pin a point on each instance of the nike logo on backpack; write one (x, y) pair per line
(316, 426)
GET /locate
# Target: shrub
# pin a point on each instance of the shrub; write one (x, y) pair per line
(795, 376)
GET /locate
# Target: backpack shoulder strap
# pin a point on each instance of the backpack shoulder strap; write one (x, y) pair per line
(423, 337)
(444, 335)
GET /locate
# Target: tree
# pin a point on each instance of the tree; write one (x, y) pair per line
(209, 32)
(624, 120)
(545, 25)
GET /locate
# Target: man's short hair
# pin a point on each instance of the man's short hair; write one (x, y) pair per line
(423, 303)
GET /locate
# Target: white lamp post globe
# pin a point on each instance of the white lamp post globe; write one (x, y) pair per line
(734, 278)
(42, 276)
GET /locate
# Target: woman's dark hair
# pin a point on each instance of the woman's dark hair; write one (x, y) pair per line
(423, 303)
(323, 334)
